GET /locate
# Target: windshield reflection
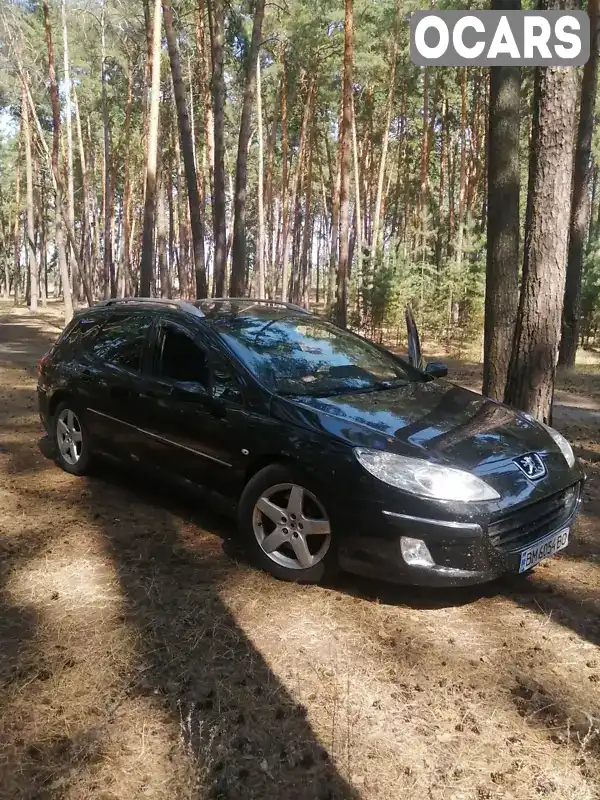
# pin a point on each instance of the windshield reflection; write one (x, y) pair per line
(297, 355)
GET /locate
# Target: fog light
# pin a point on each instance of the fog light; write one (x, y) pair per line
(415, 552)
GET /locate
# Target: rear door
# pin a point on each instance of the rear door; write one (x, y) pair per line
(113, 366)
(191, 403)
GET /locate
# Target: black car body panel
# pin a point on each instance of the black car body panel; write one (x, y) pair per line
(218, 427)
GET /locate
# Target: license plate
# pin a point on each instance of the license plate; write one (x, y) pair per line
(541, 550)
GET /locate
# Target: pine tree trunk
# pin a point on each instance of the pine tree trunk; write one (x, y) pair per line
(268, 198)
(477, 147)
(260, 247)
(450, 248)
(305, 257)
(580, 204)
(204, 83)
(216, 23)
(402, 135)
(86, 245)
(187, 148)
(358, 218)
(30, 227)
(172, 228)
(17, 223)
(295, 184)
(423, 174)
(502, 267)
(68, 126)
(181, 215)
(110, 288)
(161, 239)
(4, 247)
(439, 248)
(59, 188)
(592, 215)
(37, 219)
(531, 373)
(238, 269)
(462, 175)
(284, 178)
(59, 222)
(112, 222)
(126, 253)
(95, 232)
(335, 221)
(147, 261)
(345, 140)
(384, 150)
(43, 240)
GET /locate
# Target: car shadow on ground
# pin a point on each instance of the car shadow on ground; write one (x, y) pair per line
(243, 731)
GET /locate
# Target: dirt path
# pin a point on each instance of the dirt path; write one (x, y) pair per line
(138, 660)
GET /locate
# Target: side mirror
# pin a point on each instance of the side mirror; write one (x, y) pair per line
(436, 369)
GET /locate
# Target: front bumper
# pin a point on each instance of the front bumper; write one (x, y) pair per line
(464, 553)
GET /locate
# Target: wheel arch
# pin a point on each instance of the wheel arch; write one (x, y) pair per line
(58, 397)
(265, 460)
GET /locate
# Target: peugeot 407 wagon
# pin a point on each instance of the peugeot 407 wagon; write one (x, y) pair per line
(335, 452)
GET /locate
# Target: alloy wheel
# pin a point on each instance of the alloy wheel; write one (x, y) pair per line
(69, 436)
(291, 526)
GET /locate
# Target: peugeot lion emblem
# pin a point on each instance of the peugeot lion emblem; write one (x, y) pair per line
(532, 465)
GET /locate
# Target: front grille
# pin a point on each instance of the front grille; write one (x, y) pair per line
(520, 528)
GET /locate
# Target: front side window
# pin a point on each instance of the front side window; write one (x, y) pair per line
(180, 359)
(307, 356)
(122, 339)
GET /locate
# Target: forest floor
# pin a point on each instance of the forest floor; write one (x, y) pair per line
(138, 659)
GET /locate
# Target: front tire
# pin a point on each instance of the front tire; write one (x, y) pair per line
(71, 439)
(286, 527)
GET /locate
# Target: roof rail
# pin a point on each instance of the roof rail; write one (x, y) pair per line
(258, 301)
(184, 305)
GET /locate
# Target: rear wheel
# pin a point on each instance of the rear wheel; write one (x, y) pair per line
(286, 526)
(72, 439)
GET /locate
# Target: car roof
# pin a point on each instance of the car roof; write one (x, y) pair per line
(219, 309)
(209, 309)
(146, 303)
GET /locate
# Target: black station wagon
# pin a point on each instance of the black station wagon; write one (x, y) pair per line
(336, 453)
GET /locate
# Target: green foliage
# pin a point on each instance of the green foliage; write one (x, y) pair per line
(590, 293)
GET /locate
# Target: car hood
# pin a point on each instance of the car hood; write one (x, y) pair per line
(441, 422)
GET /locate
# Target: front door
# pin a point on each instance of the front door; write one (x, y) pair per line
(187, 408)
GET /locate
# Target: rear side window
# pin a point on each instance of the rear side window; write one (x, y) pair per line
(122, 339)
(79, 337)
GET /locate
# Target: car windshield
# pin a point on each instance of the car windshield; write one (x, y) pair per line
(300, 355)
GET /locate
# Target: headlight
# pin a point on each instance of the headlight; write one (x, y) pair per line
(565, 447)
(416, 476)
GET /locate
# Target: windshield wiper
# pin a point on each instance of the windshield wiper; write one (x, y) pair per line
(323, 392)
(341, 390)
(391, 384)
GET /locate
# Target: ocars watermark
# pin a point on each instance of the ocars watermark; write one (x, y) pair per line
(499, 38)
